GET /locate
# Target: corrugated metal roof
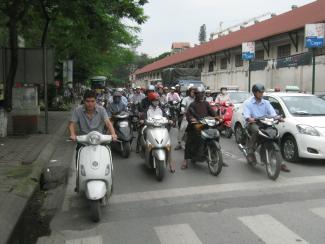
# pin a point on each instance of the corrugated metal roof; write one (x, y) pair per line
(286, 22)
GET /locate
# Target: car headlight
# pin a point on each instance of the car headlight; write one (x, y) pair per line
(307, 130)
(94, 139)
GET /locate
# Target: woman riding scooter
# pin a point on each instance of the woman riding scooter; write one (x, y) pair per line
(155, 110)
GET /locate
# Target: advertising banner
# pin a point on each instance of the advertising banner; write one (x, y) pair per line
(314, 35)
(248, 50)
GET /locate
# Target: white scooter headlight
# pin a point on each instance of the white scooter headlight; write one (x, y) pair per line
(94, 139)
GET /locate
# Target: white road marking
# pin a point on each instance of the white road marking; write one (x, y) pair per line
(271, 231)
(87, 240)
(319, 211)
(70, 187)
(218, 188)
(177, 234)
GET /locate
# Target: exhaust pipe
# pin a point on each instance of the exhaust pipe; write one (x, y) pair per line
(243, 149)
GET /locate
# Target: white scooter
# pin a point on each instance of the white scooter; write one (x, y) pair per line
(95, 171)
(155, 145)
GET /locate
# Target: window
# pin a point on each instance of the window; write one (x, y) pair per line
(259, 55)
(200, 66)
(223, 63)
(284, 51)
(238, 60)
(211, 66)
(276, 105)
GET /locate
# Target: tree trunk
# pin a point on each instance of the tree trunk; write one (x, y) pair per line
(45, 30)
(10, 79)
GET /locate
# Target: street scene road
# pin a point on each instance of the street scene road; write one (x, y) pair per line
(192, 206)
(162, 122)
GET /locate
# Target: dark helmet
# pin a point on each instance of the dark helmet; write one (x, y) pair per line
(223, 88)
(258, 88)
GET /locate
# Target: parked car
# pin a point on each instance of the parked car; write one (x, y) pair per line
(303, 131)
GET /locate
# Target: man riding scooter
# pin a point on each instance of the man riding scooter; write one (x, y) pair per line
(89, 117)
(117, 105)
(256, 108)
(197, 110)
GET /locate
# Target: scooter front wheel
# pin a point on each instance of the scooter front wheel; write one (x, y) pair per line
(95, 210)
(273, 161)
(126, 149)
(215, 160)
(160, 169)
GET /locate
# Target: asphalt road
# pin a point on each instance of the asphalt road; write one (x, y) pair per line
(241, 205)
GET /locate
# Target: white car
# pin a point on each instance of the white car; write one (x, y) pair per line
(303, 130)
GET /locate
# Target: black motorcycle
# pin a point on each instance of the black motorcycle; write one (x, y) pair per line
(209, 150)
(267, 146)
(122, 126)
(134, 115)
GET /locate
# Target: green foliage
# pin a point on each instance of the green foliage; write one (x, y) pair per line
(92, 33)
(203, 34)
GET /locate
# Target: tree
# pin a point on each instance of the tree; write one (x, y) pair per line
(14, 11)
(92, 33)
(202, 34)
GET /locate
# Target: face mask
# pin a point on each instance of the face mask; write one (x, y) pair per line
(155, 103)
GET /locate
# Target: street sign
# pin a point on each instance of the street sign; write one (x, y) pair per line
(314, 35)
(248, 50)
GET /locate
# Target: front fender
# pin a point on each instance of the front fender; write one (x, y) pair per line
(159, 154)
(95, 189)
(215, 144)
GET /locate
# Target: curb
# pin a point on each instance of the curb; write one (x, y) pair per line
(17, 200)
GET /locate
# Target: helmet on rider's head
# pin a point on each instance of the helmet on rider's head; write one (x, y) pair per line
(150, 88)
(165, 88)
(200, 90)
(173, 88)
(159, 86)
(223, 88)
(258, 88)
(153, 96)
(208, 91)
(117, 94)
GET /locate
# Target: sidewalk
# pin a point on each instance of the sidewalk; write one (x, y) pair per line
(21, 162)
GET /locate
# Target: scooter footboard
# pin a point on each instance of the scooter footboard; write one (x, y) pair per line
(95, 189)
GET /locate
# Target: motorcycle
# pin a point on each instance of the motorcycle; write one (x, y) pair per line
(134, 115)
(122, 126)
(210, 150)
(267, 146)
(173, 110)
(225, 111)
(155, 145)
(95, 171)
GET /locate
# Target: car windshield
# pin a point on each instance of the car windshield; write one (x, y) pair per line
(239, 97)
(305, 105)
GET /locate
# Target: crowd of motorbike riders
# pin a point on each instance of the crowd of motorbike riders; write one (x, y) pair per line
(183, 112)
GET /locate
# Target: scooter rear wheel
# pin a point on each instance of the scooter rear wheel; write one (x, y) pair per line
(95, 210)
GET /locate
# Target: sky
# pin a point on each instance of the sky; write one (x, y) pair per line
(180, 20)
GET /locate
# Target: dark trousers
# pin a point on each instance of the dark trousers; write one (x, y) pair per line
(253, 131)
(193, 144)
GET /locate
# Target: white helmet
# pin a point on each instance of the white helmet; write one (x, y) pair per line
(173, 88)
(151, 88)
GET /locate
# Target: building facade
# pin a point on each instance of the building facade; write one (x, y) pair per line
(281, 58)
